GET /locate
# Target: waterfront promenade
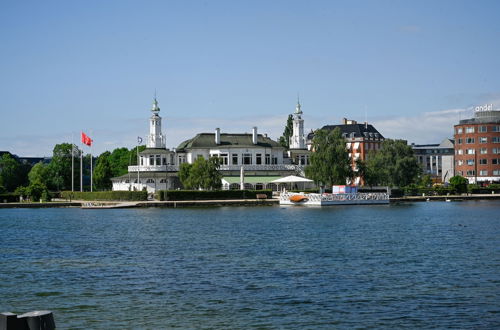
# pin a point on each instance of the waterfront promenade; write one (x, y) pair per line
(224, 202)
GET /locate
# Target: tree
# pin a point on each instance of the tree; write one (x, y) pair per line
(119, 160)
(284, 140)
(394, 164)
(102, 172)
(459, 183)
(60, 166)
(330, 163)
(11, 172)
(37, 190)
(40, 172)
(202, 174)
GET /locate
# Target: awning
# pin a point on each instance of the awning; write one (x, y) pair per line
(291, 179)
(250, 179)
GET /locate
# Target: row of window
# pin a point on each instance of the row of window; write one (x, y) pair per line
(247, 159)
(481, 129)
(482, 139)
(156, 160)
(482, 151)
(481, 172)
(482, 161)
(147, 181)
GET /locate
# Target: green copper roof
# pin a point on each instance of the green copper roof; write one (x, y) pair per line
(207, 140)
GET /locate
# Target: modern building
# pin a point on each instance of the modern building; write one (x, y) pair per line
(262, 159)
(477, 146)
(360, 140)
(436, 160)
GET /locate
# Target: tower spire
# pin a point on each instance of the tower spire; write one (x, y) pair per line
(298, 111)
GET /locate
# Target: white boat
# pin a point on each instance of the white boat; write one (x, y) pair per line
(290, 198)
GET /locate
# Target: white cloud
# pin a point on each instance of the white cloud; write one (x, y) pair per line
(426, 127)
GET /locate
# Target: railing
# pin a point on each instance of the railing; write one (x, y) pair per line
(175, 168)
(338, 197)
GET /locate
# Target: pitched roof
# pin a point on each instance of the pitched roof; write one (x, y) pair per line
(359, 130)
(207, 140)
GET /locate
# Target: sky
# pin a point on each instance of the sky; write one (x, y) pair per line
(413, 69)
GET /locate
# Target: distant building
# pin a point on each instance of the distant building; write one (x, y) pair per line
(477, 146)
(436, 160)
(360, 140)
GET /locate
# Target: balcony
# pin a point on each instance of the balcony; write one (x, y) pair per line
(175, 168)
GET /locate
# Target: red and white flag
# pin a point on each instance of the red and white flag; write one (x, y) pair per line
(86, 139)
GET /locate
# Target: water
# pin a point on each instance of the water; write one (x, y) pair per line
(420, 265)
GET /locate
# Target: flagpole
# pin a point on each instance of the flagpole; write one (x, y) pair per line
(72, 162)
(138, 177)
(91, 133)
(81, 168)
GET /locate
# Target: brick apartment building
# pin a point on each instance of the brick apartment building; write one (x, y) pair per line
(477, 146)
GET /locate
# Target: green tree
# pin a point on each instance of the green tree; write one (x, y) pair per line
(60, 166)
(394, 164)
(459, 183)
(40, 172)
(11, 173)
(329, 163)
(102, 171)
(202, 174)
(184, 175)
(119, 160)
(284, 140)
(37, 190)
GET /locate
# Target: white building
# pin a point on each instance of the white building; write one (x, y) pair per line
(298, 152)
(261, 158)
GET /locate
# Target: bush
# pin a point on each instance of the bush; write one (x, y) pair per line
(180, 195)
(105, 195)
(9, 197)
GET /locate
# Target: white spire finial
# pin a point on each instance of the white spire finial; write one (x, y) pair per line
(297, 108)
(155, 107)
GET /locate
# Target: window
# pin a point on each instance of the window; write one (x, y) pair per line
(496, 172)
(470, 162)
(142, 160)
(164, 160)
(235, 159)
(495, 161)
(459, 130)
(460, 152)
(460, 162)
(258, 159)
(469, 130)
(483, 172)
(484, 151)
(495, 151)
(483, 129)
(247, 159)
(163, 181)
(275, 160)
(469, 140)
(268, 159)
(471, 172)
(495, 128)
(470, 152)
(459, 141)
(483, 161)
(483, 140)
(158, 160)
(151, 160)
(223, 159)
(150, 181)
(495, 139)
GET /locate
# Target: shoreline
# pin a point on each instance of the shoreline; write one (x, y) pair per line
(228, 202)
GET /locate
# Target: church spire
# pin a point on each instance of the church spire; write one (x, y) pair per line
(155, 109)
(298, 111)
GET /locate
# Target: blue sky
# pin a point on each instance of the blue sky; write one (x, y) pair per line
(412, 68)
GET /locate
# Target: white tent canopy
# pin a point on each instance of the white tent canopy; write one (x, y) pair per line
(291, 179)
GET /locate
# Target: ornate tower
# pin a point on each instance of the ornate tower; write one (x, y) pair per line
(297, 140)
(155, 139)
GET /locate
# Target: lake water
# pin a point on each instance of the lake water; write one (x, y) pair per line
(415, 265)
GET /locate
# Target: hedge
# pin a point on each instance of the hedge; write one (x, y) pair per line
(105, 195)
(9, 197)
(180, 195)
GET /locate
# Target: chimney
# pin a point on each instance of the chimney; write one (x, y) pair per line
(254, 135)
(217, 136)
(344, 121)
(366, 125)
